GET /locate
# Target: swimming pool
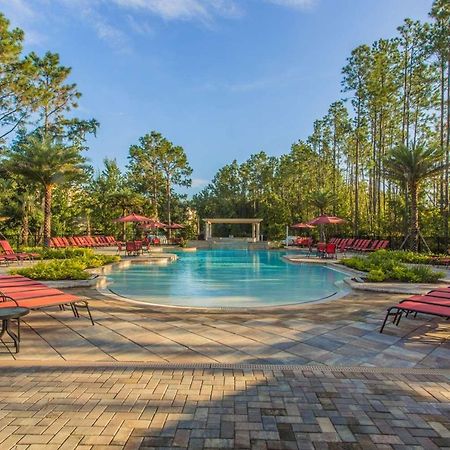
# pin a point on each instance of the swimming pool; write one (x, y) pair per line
(226, 279)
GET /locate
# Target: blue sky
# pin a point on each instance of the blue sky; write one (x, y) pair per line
(222, 78)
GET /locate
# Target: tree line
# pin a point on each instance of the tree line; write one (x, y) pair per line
(378, 158)
(48, 186)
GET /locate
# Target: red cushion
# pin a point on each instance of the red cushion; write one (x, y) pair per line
(425, 308)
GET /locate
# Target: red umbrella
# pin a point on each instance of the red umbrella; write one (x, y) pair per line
(153, 223)
(174, 226)
(303, 225)
(132, 218)
(324, 220)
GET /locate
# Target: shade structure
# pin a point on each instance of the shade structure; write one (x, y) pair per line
(325, 220)
(174, 226)
(132, 218)
(302, 225)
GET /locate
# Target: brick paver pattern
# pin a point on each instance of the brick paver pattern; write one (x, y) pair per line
(132, 407)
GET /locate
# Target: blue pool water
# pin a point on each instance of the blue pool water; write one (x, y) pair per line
(226, 278)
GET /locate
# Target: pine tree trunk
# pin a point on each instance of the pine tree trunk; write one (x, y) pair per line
(447, 159)
(169, 217)
(414, 223)
(47, 214)
(25, 226)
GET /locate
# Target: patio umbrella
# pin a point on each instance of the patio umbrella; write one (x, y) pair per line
(302, 225)
(325, 220)
(153, 223)
(132, 218)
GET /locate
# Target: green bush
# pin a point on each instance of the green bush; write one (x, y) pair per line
(59, 253)
(376, 276)
(69, 269)
(66, 269)
(389, 265)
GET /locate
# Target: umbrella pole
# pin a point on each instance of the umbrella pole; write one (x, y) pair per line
(287, 235)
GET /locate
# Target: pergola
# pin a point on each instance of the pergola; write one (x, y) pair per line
(255, 223)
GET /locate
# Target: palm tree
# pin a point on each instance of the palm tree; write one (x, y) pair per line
(47, 162)
(321, 200)
(410, 168)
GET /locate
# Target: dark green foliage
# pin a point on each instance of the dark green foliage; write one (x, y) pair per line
(69, 264)
(389, 266)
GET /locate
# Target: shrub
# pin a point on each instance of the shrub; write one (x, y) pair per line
(59, 253)
(388, 265)
(376, 276)
(66, 269)
(70, 269)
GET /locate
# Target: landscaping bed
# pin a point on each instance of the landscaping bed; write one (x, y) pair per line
(65, 264)
(388, 265)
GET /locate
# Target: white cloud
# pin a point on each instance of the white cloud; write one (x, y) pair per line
(22, 15)
(204, 10)
(199, 182)
(135, 14)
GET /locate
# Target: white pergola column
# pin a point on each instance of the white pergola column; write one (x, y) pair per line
(258, 232)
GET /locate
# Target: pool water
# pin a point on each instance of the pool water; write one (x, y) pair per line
(226, 278)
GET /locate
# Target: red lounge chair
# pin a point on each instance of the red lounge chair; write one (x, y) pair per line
(355, 245)
(9, 252)
(59, 242)
(320, 249)
(98, 241)
(65, 241)
(429, 299)
(372, 247)
(364, 244)
(384, 245)
(330, 251)
(37, 298)
(347, 244)
(415, 307)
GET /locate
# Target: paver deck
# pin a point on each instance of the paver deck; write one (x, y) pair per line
(128, 406)
(340, 332)
(146, 378)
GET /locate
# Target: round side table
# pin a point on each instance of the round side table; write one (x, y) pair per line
(8, 314)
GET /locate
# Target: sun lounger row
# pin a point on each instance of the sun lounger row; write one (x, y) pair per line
(83, 241)
(359, 245)
(16, 290)
(435, 303)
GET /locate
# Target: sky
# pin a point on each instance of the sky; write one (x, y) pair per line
(222, 78)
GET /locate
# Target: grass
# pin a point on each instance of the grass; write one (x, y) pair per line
(386, 265)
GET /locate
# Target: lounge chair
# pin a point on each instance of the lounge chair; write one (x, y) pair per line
(24, 292)
(356, 244)
(424, 304)
(10, 253)
(371, 247)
